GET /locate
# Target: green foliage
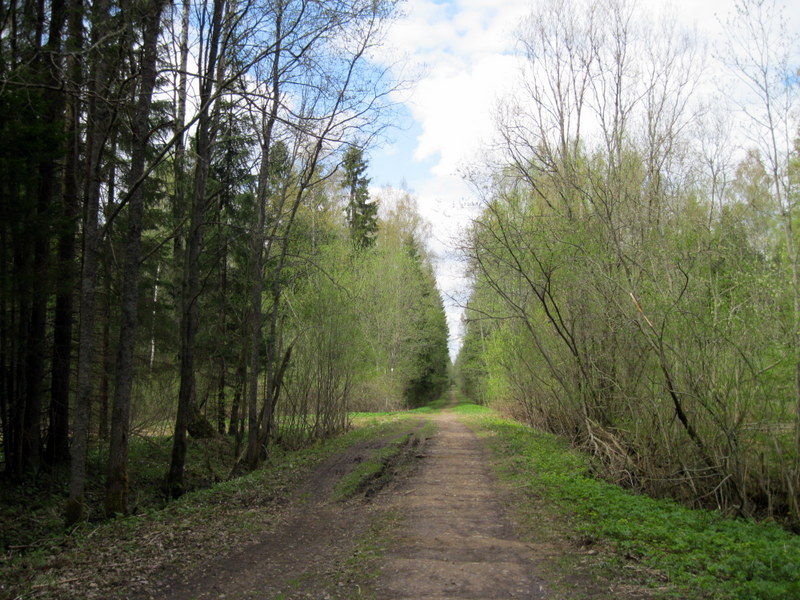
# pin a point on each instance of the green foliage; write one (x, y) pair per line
(647, 315)
(401, 317)
(701, 551)
(362, 215)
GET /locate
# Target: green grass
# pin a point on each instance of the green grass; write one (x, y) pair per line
(442, 402)
(703, 553)
(432, 407)
(354, 481)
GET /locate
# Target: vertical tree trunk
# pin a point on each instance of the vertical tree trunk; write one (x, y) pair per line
(236, 404)
(106, 365)
(221, 398)
(58, 437)
(117, 477)
(179, 195)
(221, 409)
(190, 311)
(48, 65)
(6, 379)
(254, 327)
(99, 120)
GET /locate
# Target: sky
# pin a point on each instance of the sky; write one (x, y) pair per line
(461, 56)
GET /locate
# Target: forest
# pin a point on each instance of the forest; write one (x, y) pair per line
(191, 253)
(224, 362)
(189, 249)
(636, 264)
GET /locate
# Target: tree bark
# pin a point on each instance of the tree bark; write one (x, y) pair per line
(117, 475)
(48, 65)
(57, 450)
(254, 327)
(99, 119)
(190, 311)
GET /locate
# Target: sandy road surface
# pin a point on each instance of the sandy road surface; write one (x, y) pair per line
(452, 537)
(456, 540)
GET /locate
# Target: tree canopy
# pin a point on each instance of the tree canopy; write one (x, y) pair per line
(176, 256)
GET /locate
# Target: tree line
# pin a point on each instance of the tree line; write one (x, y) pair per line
(635, 263)
(187, 237)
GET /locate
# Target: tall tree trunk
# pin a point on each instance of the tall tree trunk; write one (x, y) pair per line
(179, 195)
(106, 360)
(190, 311)
(236, 403)
(223, 333)
(98, 123)
(117, 477)
(6, 368)
(57, 450)
(221, 397)
(254, 327)
(49, 66)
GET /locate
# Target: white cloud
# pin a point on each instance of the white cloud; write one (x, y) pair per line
(455, 110)
(464, 52)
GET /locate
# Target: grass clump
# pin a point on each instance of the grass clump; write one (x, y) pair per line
(703, 553)
(373, 468)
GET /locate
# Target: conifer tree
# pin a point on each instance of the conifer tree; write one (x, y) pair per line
(362, 215)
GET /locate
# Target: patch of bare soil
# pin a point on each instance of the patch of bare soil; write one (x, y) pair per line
(300, 557)
(456, 539)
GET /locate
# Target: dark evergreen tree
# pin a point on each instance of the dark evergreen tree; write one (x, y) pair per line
(431, 354)
(362, 215)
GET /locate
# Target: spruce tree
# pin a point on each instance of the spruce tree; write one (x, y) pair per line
(362, 215)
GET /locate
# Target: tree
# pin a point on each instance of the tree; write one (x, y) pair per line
(153, 179)
(200, 201)
(362, 215)
(632, 290)
(760, 53)
(103, 67)
(117, 478)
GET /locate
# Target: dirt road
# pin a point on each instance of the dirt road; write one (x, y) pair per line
(456, 540)
(450, 536)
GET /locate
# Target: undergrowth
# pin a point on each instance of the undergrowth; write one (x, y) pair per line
(703, 553)
(32, 513)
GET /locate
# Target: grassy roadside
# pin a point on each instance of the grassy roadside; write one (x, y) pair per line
(700, 554)
(91, 560)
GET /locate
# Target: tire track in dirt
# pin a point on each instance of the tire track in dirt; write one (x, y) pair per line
(456, 540)
(453, 538)
(300, 556)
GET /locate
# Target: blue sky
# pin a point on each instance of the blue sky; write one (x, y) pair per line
(459, 53)
(393, 164)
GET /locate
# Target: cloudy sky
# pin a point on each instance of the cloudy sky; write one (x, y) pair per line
(461, 55)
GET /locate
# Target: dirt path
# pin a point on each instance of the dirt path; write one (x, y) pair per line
(456, 540)
(302, 556)
(451, 536)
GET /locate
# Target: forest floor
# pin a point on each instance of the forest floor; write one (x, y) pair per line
(434, 503)
(411, 510)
